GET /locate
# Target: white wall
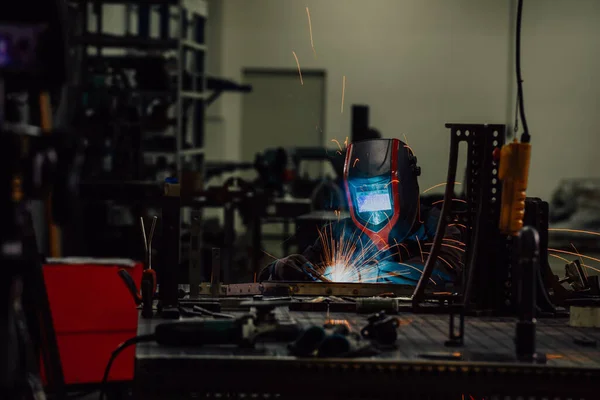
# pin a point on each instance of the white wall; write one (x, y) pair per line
(421, 63)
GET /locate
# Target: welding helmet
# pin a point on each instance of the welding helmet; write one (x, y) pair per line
(380, 178)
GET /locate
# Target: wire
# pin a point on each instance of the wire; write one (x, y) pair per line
(525, 137)
(115, 354)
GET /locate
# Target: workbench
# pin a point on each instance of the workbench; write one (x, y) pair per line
(484, 367)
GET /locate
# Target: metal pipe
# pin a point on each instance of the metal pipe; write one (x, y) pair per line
(442, 224)
(215, 281)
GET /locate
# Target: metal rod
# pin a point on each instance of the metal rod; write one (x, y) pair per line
(215, 282)
(442, 224)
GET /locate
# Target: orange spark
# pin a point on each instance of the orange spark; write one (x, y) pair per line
(339, 152)
(461, 225)
(438, 185)
(312, 44)
(346, 142)
(298, 64)
(447, 245)
(441, 201)
(343, 91)
(454, 241)
(577, 255)
(405, 139)
(573, 231)
(560, 258)
(354, 163)
(580, 258)
(420, 249)
(409, 148)
(338, 143)
(392, 181)
(270, 255)
(442, 259)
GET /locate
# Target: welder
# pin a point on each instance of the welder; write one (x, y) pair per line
(388, 235)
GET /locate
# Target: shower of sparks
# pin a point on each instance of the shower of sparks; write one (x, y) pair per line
(343, 92)
(573, 231)
(349, 260)
(438, 185)
(354, 163)
(392, 181)
(312, 44)
(441, 201)
(420, 249)
(578, 255)
(299, 70)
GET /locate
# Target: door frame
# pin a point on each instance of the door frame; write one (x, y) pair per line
(294, 72)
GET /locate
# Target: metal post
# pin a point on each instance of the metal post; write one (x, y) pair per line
(180, 72)
(169, 268)
(195, 271)
(215, 281)
(229, 238)
(528, 259)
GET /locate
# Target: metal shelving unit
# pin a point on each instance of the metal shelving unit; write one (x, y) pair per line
(188, 92)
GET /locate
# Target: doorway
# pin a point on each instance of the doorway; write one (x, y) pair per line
(282, 112)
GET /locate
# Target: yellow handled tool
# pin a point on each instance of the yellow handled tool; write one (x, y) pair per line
(514, 173)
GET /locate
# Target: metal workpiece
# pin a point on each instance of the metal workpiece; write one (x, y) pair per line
(479, 217)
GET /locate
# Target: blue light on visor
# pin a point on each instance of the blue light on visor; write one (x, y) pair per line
(373, 199)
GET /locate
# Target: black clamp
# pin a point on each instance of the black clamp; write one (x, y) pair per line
(381, 329)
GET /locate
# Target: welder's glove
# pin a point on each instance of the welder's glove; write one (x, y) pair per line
(409, 274)
(294, 267)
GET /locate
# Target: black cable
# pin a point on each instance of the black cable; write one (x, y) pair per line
(114, 355)
(525, 138)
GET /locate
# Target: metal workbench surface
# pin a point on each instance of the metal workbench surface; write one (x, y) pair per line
(488, 365)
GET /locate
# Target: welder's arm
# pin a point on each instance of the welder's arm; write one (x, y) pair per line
(294, 267)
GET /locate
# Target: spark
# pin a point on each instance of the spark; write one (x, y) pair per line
(438, 185)
(346, 142)
(420, 249)
(312, 44)
(573, 231)
(299, 70)
(354, 163)
(471, 397)
(405, 139)
(339, 152)
(454, 241)
(580, 258)
(560, 258)
(392, 181)
(343, 92)
(461, 225)
(442, 259)
(441, 201)
(338, 143)
(447, 245)
(578, 255)
(409, 148)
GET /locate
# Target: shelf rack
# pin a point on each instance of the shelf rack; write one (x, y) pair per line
(188, 45)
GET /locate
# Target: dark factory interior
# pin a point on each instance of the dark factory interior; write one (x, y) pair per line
(276, 199)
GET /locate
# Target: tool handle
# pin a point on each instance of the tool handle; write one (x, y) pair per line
(198, 333)
(130, 284)
(513, 172)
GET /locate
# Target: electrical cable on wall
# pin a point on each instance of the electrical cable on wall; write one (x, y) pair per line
(525, 137)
